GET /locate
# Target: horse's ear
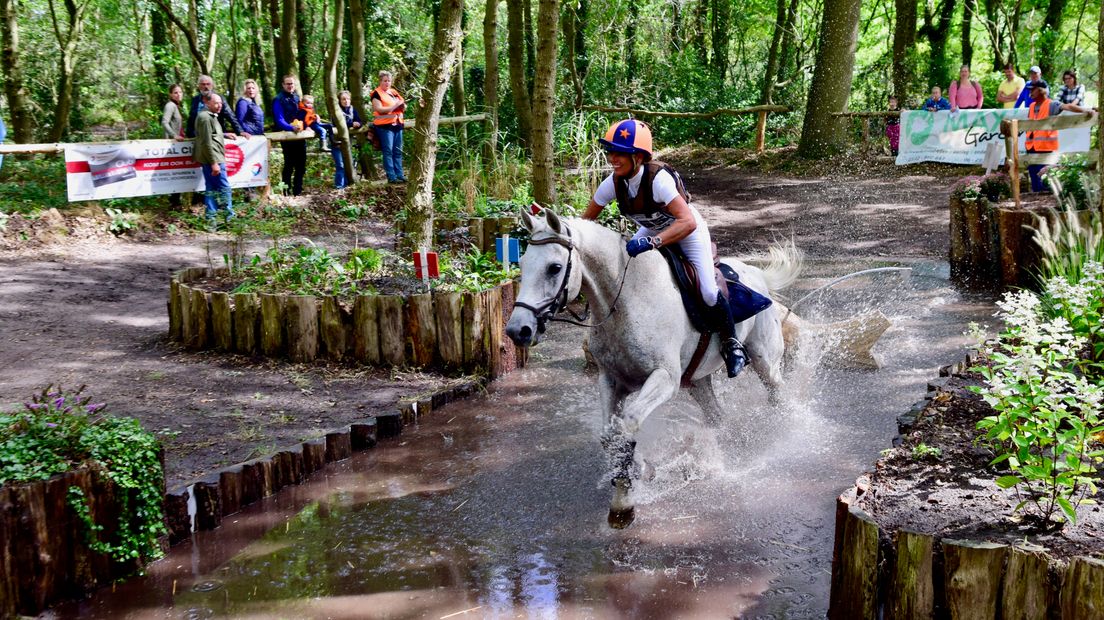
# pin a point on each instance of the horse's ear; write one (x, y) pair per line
(554, 221)
(526, 219)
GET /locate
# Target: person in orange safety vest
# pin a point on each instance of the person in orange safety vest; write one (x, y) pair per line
(1044, 140)
(387, 120)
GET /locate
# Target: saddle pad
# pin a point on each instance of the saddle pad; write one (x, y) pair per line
(744, 301)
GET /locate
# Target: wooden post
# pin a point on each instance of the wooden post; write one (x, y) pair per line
(334, 329)
(272, 325)
(1083, 589)
(972, 577)
(855, 579)
(475, 230)
(391, 329)
(911, 593)
(1027, 590)
(761, 132)
(200, 317)
(246, 317)
(450, 332)
(302, 327)
(493, 343)
(1014, 160)
(473, 320)
(222, 328)
(174, 316)
(866, 130)
(366, 331)
(420, 330)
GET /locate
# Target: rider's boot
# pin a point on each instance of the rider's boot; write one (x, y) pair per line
(732, 350)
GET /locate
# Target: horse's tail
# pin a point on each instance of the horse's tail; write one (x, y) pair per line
(784, 264)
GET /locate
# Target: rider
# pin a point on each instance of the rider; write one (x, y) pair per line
(651, 193)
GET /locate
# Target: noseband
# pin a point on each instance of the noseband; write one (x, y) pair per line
(547, 310)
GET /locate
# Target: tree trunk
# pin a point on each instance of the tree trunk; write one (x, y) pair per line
(515, 48)
(904, 40)
(274, 24)
(258, 61)
(459, 97)
(582, 61)
(341, 130)
(937, 32)
(490, 78)
(722, 9)
(766, 91)
(544, 102)
(419, 197)
(67, 40)
(356, 79)
(286, 53)
(823, 134)
(162, 49)
(630, 40)
(190, 33)
(969, 8)
(1048, 40)
(302, 26)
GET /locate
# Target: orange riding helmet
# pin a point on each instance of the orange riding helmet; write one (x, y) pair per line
(628, 136)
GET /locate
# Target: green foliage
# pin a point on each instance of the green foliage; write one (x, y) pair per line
(1074, 183)
(121, 221)
(59, 430)
(474, 271)
(1047, 392)
(922, 451)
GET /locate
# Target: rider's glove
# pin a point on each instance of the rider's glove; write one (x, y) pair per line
(638, 246)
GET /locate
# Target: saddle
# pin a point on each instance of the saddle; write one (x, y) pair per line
(744, 302)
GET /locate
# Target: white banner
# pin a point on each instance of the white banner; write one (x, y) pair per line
(150, 167)
(961, 137)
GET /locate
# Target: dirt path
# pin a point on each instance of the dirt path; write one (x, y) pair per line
(94, 312)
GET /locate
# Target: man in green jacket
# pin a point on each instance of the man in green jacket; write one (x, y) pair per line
(210, 152)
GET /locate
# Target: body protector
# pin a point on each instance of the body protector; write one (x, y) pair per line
(644, 209)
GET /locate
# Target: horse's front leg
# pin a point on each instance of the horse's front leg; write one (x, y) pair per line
(620, 441)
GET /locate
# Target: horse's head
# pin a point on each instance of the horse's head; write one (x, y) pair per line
(548, 279)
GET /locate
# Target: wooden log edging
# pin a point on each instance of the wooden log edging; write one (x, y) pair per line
(459, 333)
(904, 574)
(993, 246)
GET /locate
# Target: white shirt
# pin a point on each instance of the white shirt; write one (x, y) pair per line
(663, 188)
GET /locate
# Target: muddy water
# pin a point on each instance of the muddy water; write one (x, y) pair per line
(495, 507)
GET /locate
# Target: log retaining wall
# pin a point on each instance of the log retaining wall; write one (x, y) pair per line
(461, 333)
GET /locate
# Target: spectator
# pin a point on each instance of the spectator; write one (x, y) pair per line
(1036, 75)
(311, 120)
(893, 127)
(1044, 140)
(172, 125)
(387, 111)
(352, 121)
(285, 109)
(205, 85)
(248, 109)
(936, 102)
(1071, 91)
(965, 94)
(210, 152)
(1010, 89)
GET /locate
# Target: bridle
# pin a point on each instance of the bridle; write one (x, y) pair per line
(548, 309)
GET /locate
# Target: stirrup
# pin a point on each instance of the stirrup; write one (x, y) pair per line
(735, 356)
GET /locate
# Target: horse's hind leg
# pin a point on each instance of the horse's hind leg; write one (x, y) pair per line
(620, 440)
(702, 392)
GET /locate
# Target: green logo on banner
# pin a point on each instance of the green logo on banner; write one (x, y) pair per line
(918, 135)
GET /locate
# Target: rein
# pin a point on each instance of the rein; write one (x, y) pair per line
(547, 310)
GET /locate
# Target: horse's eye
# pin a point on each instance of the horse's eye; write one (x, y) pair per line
(554, 268)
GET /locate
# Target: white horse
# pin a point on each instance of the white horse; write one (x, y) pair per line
(641, 338)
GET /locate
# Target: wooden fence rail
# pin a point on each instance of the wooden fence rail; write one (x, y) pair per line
(760, 127)
(866, 116)
(1011, 128)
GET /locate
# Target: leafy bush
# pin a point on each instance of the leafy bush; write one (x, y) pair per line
(59, 430)
(1047, 394)
(121, 221)
(1075, 186)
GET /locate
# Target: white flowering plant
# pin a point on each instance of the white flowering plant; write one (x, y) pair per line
(1046, 391)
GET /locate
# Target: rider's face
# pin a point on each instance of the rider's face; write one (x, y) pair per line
(622, 163)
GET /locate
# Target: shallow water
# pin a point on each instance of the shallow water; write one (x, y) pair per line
(495, 507)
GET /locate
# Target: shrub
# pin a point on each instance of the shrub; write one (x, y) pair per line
(59, 430)
(1044, 387)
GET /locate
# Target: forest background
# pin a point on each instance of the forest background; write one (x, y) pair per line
(71, 68)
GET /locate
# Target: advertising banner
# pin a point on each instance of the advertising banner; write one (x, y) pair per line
(961, 137)
(150, 167)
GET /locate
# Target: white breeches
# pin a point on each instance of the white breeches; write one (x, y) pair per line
(697, 247)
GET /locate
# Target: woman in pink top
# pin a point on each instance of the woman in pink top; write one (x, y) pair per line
(965, 93)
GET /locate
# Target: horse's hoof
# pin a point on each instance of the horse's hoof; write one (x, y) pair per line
(621, 519)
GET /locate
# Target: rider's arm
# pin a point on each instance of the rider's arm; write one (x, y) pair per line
(683, 225)
(592, 210)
